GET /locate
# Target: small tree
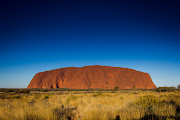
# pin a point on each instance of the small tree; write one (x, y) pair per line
(26, 91)
(134, 87)
(165, 89)
(116, 88)
(178, 87)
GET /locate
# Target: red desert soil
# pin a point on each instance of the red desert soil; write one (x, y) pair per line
(92, 77)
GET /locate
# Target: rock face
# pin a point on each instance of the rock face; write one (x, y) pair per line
(96, 76)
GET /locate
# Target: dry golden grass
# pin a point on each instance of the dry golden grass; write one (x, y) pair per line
(91, 106)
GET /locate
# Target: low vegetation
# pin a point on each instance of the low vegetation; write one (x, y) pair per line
(165, 89)
(22, 104)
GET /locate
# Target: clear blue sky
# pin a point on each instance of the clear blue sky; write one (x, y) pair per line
(40, 35)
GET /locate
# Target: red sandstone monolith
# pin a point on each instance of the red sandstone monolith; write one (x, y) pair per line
(96, 76)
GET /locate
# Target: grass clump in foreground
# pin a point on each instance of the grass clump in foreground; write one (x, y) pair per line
(96, 105)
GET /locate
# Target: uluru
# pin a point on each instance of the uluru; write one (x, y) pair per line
(92, 77)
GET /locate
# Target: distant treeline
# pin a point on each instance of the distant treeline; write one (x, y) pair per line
(26, 91)
(166, 89)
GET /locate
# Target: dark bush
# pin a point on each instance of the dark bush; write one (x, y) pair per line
(2, 90)
(165, 89)
(97, 94)
(63, 113)
(2, 97)
(16, 91)
(46, 97)
(178, 87)
(16, 97)
(134, 87)
(8, 90)
(33, 117)
(25, 91)
(116, 88)
(45, 90)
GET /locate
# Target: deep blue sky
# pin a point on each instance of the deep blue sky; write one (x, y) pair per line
(40, 35)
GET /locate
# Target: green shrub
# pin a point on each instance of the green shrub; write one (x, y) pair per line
(147, 101)
(97, 94)
(134, 87)
(116, 88)
(37, 96)
(45, 90)
(16, 97)
(72, 97)
(121, 98)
